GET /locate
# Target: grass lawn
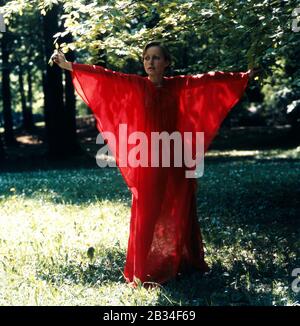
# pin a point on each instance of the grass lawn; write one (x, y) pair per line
(248, 207)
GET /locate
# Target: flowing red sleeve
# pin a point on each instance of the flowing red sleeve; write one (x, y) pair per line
(115, 98)
(207, 98)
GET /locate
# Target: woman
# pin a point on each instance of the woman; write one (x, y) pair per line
(165, 238)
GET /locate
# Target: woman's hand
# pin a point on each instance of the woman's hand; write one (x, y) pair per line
(59, 58)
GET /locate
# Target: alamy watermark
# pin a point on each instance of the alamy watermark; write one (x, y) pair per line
(2, 25)
(296, 282)
(161, 149)
(296, 21)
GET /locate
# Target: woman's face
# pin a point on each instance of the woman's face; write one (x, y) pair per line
(154, 61)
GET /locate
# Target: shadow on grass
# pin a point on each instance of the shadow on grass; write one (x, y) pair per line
(243, 284)
(214, 288)
(73, 187)
(79, 186)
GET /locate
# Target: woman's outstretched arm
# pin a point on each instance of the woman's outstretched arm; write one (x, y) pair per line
(60, 59)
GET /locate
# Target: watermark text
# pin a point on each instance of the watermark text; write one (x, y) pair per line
(296, 281)
(2, 25)
(296, 21)
(159, 149)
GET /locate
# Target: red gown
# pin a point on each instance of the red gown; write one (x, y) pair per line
(164, 238)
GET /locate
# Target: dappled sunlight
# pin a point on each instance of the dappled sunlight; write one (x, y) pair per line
(293, 153)
(29, 140)
(70, 225)
(231, 153)
(35, 291)
(44, 247)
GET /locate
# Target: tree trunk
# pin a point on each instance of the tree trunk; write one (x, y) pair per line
(1, 149)
(6, 94)
(27, 117)
(29, 99)
(60, 138)
(70, 105)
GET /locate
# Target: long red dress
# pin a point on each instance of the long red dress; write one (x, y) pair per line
(164, 238)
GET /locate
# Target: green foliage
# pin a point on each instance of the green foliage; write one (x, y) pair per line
(202, 35)
(229, 33)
